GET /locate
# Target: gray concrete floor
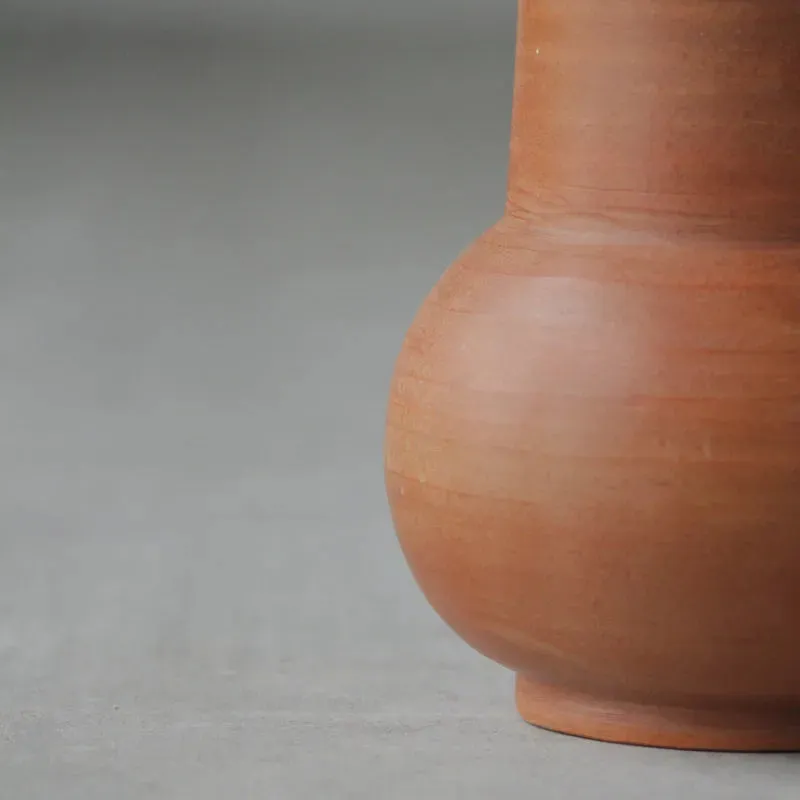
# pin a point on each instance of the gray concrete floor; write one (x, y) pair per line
(209, 252)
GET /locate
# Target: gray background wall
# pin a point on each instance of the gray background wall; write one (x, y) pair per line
(238, 13)
(210, 248)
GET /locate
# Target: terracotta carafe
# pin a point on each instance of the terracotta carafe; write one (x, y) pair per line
(593, 447)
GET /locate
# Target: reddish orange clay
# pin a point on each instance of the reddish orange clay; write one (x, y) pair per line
(593, 447)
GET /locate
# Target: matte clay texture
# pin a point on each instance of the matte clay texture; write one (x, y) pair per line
(593, 434)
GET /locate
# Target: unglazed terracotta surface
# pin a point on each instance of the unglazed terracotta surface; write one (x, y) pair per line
(593, 447)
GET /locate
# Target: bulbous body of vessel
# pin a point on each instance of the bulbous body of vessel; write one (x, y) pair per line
(593, 443)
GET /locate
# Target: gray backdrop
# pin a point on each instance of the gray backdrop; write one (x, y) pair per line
(269, 13)
(210, 247)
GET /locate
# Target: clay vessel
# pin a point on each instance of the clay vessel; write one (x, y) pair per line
(593, 448)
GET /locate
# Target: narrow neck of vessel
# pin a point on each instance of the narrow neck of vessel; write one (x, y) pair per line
(674, 117)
